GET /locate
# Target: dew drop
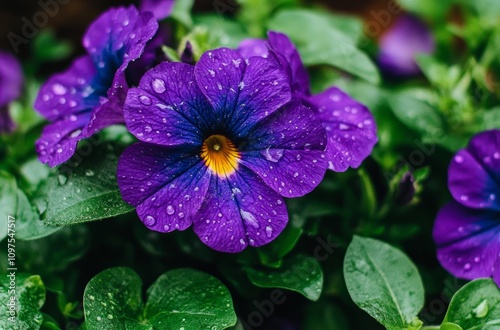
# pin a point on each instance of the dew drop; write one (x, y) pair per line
(59, 89)
(158, 86)
(110, 316)
(170, 210)
(269, 231)
(249, 218)
(148, 129)
(98, 318)
(467, 266)
(145, 100)
(89, 172)
(481, 310)
(62, 179)
(150, 221)
(459, 159)
(272, 155)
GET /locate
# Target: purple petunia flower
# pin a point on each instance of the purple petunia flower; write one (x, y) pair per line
(467, 230)
(11, 84)
(89, 96)
(399, 46)
(349, 125)
(160, 8)
(221, 146)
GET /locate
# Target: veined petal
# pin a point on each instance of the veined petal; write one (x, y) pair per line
(59, 139)
(241, 92)
(286, 150)
(238, 212)
(167, 108)
(167, 185)
(70, 92)
(350, 128)
(470, 183)
(467, 240)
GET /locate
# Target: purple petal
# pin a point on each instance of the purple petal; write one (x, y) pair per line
(59, 139)
(467, 240)
(160, 8)
(241, 92)
(11, 78)
(240, 211)
(69, 92)
(166, 185)
(473, 175)
(287, 151)
(113, 40)
(289, 57)
(253, 47)
(398, 47)
(168, 107)
(350, 128)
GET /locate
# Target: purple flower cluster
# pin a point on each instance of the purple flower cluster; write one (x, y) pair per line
(11, 84)
(467, 229)
(222, 142)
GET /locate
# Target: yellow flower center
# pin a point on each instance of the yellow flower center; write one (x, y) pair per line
(220, 155)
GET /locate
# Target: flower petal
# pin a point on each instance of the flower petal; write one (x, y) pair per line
(59, 139)
(167, 185)
(349, 126)
(167, 108)
(253, 47)
(289, 57)
(69, 92)
(113, 40)
(469, 181)
(11, 78)
(241, 92)
(287, 150)
(240, 211)
(160, 8)
(467, 240)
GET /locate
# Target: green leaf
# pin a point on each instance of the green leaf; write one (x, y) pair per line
(223, 32)
(46, 47)
(383, 282)
(416, 114)
(85, 193)
(181, 298)
(330, 45)
(112, 299)
(431, 9)
(54, 253)
(298, 273)
(26, 297)
(476, 306)
(8, 200)
(190, 299)
(272, 253)
(490, 119)
(450, 326)
(182, 12)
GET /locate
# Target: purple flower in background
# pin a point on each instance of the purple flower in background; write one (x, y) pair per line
(89, 96)
(160, 8)
(398, 47)
(221, 146)
(467, 230)
(349, 125)
(11, 84)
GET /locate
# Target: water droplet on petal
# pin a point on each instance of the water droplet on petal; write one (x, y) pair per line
(250, 219)
(170, 210)
(150, 221)
(158, 86)
(269, 231)
(272, 155)
(467, 266)
(59, 89)
(145, 100)
(459, 159)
